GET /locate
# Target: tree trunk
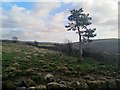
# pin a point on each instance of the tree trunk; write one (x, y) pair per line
(80, 46)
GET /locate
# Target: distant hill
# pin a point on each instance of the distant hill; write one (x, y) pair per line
(100, 45)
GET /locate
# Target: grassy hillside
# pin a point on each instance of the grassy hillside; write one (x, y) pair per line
(31, 64)
(105, 50)
(102, 45)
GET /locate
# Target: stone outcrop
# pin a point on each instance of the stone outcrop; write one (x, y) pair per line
(74, 85)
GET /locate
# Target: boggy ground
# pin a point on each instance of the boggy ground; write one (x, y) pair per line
(25, 66)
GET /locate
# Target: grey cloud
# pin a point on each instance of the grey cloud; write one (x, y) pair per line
(31, 26)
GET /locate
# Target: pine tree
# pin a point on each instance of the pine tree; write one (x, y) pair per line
(79, 21)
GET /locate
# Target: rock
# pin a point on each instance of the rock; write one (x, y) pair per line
(45, 66)
(102, 78)
(70, 68)
(28, 56)
(62, 69)
(112, 84)
(52, 64)
(80, 85)
(30, 83)
(109, 77)
(42, 87)
(56, 86)
(49, 78)
(21, 88)
(76, 84)
(31, 88)
(15, 65)
(30, 72)
(62, 82)
(94, 85)
(83, 86)
(89, 78)
(114, 73)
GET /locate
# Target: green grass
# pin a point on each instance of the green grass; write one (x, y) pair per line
(21, 60)
(46, 45)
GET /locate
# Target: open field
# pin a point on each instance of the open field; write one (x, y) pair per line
(22, 62)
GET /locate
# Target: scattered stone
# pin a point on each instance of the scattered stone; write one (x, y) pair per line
(21, 88)
(89, 78)
(29, 57)
(52, 64)
(75, 84)
(31, 88)
(45, 66)
(80, 85)
(62, 82)
(49, 78)
(55, 85)
(30, 83)
(114, 73)
(83, 86)
(94, 85)
(30, 72)
(62, 69)
(42, 87)
(109, 77)
(15, 65)
(103, 78)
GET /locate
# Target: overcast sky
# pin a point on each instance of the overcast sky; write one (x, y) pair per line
(45, 21)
